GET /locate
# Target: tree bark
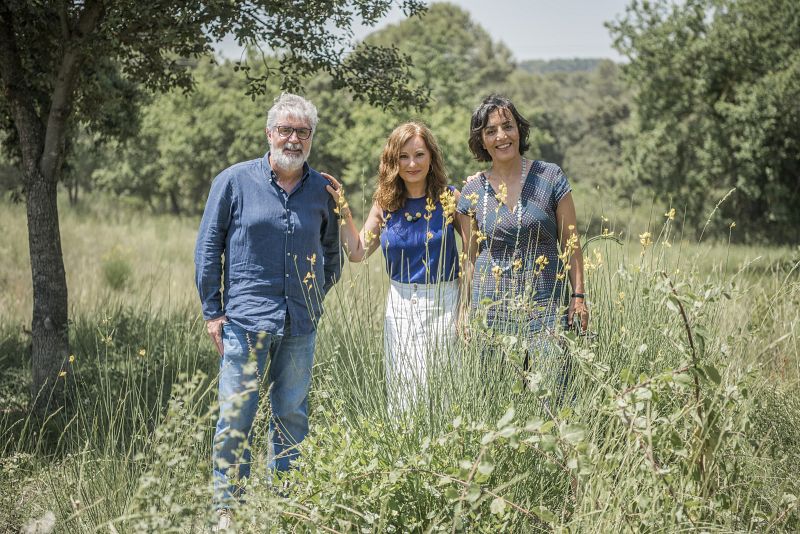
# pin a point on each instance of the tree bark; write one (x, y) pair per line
(50, 343)
(42, 158)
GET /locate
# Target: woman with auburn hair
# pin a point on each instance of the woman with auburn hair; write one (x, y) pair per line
(413, 220)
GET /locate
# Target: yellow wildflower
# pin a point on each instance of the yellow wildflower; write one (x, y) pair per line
(62, 374)
(516, 264)
(312, 259)
(142, 353)
(71, 358)
(502, 194)
(369, 237)
(646, 239)
(670, 214)
(342, 207)
(733, 225)
(308, 280)
(430, 205)
(541, 263)
(598, 258)
(429, 236)
(570, 246)
(448, 200)
(479, 237)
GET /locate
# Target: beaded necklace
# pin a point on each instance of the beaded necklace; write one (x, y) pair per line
(517, 209)
(412, 218)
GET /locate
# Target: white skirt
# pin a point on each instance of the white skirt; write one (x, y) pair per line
(419, 334)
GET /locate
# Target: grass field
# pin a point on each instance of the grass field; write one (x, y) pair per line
(675, 424)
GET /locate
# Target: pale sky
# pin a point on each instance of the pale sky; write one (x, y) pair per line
(543, 29)
(532, 29)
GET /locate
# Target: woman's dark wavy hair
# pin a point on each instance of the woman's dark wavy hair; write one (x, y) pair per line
(481, 116)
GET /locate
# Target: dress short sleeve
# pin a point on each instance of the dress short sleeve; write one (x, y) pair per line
(468, 199)
(560, 187)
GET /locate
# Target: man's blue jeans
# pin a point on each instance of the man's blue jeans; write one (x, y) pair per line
(240, 374)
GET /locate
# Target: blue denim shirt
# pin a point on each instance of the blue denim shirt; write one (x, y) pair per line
(281, 250)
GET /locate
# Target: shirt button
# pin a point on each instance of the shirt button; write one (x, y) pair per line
(288, 253)
(287, 275)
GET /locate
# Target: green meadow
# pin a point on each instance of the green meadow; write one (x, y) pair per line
(683, 412)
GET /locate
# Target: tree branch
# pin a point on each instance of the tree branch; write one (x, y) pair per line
(63, 18)
(64, 89)
(18, 93)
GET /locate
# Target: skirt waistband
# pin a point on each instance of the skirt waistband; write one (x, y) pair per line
(441, 286)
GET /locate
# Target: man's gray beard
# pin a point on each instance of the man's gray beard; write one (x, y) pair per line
(287, 162)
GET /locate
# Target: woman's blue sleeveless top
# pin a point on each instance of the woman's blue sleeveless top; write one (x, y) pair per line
(419, 251)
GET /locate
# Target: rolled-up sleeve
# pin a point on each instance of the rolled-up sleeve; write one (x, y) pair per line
(210, 246)
(331, 248)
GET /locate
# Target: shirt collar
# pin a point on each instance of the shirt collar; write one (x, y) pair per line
(271, 174)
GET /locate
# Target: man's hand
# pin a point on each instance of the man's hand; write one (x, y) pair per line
(214, 329)
(335, 190)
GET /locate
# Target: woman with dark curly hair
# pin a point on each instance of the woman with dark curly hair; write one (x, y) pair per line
(413, 219)
(525, 237)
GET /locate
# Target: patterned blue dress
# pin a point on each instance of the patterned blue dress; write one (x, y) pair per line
(516, 280)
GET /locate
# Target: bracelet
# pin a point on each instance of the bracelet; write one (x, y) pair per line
(578, 296)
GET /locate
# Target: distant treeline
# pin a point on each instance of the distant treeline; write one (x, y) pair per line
(705, 102)
(544, 66)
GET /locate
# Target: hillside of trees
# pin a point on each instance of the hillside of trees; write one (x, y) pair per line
(183, 140)
(701, 107)
(544, 66)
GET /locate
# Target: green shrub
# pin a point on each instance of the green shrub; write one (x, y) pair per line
(117, 270)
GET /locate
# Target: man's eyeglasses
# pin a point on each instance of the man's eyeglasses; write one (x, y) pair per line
(286, 132)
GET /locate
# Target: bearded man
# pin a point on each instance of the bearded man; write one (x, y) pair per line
(274, 224)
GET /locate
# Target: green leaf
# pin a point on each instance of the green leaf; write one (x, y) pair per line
(534, 425)
(572, 463)
(473, 493)
(672, 304)
(451, 493)
(544, 514)
(498, 506)
(683, 378)
(573, 433)
(713, 374)
(548, 443)
(485, 467)
(507, 418)
(626, 376)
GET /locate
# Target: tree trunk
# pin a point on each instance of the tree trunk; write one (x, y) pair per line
(49, 323)
(72, 190)
(175, 205)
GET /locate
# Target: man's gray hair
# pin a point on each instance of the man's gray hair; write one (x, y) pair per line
(294, 106)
